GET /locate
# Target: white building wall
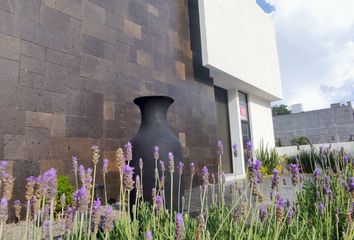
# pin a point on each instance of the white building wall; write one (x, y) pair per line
(260, 112)
(238, 40)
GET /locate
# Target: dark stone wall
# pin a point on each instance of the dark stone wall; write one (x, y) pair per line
(70, 69)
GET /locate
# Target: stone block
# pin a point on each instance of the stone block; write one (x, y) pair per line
(28, 9)
(76, 126)
(53, 20)
(72, 8)
(37, 143)
(29, 64)
(7, 5)
(69, 61)
(76, 102)
(33, 80)
(57, 125)
(38, 119)
(32, 50)
(9, 47)
(12, 121)
(94, 12)
(99, 30)
(9, 83)
(56, 78)
(180, 70)
(94, 105)
(97, 68)
(35, 100)
(133, 29)
(152, 10)
(108, 110)
(14, 147)
(58, 102)
(144, 58)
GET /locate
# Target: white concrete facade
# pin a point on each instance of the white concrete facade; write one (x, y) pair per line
(239, 48)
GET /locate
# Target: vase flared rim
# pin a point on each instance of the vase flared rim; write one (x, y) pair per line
(140, 100)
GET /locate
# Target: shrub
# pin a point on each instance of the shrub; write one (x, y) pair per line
(269, 157)
(64, 187)
(300, 141)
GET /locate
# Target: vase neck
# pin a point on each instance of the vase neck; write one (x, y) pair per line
(154, 112)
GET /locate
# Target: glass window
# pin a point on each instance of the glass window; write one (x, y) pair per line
(223, 126)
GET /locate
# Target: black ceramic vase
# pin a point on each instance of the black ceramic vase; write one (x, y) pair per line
(155, 131)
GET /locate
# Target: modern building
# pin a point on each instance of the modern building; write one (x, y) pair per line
(334, 124)
(70, 69)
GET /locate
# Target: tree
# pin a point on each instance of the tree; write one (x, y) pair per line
(281, 109)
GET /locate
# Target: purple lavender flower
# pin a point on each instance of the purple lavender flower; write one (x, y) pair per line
(317, 174)
(95, 154)
(320, 209)
(82, 199)
(50, 183)
(159, 202)
(235, 152)
(3, 167)
(63, 200)
(69, 218)
(180, 168)
(86, 176)
(275, 179)
(179, 226)
(171, 164)
(139, 188)
(156, 153)
(129, 152)
(162, 166)
(346, 159)
(108, 214)
(46, 228)
(255, 173)
(162, 182)
(128, 177)
(205, 175)
(351, 186)
(294, 169)
(290, 216)
(148, 235)
(192, 169)
(18, 207)
(249, 146)
(96, 212)
(75, 164)
(263, 212)
(105, 165)
(3, 209)
(31, 182)
(279, 208)
(220, 149)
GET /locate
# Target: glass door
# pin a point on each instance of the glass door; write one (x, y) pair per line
(223, 126)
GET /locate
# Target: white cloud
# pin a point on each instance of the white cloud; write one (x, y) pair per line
(316, 50)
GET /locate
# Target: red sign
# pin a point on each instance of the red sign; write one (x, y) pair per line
(243, 113)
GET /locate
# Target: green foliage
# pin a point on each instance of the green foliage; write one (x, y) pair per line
(300, 141)
(65, 187)
(269, 157)
(281, 109)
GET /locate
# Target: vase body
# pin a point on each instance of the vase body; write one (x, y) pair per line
(154, 131)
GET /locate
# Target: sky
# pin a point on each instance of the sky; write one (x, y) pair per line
(315, 40)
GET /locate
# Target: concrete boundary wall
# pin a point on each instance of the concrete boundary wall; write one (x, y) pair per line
(292, 150)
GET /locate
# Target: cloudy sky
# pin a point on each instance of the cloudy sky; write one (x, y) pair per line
(316, 50)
